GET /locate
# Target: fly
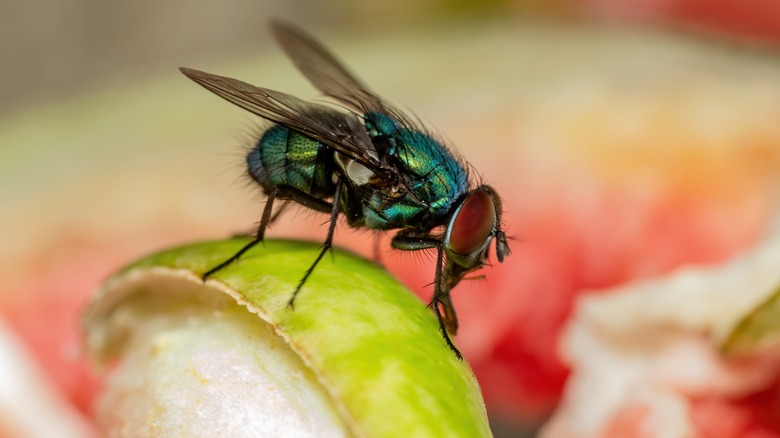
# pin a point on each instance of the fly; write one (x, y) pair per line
(372, 164)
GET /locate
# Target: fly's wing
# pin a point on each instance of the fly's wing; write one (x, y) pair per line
(341, 131)
(329, 76)
(323, 70)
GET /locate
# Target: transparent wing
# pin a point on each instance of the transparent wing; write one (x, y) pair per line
(329, 75)
(341, 131)
(323, 70)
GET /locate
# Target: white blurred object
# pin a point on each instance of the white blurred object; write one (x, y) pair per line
(643, 349)
(30, 407)
(186, 369)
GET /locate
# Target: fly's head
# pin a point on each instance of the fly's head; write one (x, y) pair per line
(475, 223)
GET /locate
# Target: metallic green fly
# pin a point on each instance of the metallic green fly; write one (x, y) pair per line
(371, 163)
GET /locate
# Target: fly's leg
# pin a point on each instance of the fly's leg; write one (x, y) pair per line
(334, 214)
(411, 242)
(438, 296)
(274, 216)
(282, 192)
(269, 204)
(449, 319)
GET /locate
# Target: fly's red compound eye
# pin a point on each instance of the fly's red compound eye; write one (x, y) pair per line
(474, 223)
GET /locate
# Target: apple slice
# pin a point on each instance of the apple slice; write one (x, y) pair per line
(359, 355)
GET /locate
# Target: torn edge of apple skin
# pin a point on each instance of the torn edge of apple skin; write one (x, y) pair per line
(371, 351)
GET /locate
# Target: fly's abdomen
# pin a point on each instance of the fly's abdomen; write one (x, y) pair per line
(285, 157)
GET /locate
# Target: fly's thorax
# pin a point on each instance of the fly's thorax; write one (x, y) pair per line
(285, 157)
(380, 126)
(431, 177)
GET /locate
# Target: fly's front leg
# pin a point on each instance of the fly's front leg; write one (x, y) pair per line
(449, 320)
(282, 192)
(450, 317)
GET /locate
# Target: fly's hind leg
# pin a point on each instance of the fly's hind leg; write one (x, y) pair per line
(326, 246)
(274, 216)
(282, 192)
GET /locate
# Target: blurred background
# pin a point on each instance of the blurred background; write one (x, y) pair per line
(628, 138)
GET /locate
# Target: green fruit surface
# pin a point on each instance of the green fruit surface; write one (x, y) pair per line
(374, 346)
